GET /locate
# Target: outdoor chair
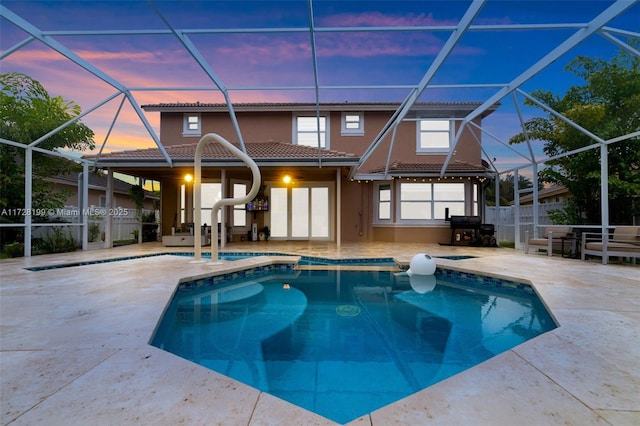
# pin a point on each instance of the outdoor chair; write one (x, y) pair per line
(624, 242)
(551, 238)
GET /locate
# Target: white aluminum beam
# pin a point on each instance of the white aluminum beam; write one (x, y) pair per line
(333, 29)
(73, 120)
(208, 70)
(620, 43)
(314, 59)
(113, 123)
(442, 55)
(561, 117)
(522, 125)
(612, 12)
(73, 57)
(16, 47)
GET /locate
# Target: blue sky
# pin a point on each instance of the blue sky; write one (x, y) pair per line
(284, 58)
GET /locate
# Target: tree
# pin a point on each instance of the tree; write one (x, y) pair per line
(608, 105)
(506, 190)
(27, 112)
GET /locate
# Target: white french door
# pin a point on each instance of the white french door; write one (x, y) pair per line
(300, 213)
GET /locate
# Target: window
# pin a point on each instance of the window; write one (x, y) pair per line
(183, 203)
(306, 131)
(415, 201)
(191, 125)
(448, 196)
(384, 202)
(279, 213)
(429, 201)
(352, 124)
(433, 136)
(209, 194)
(239, 210)
(476, 192)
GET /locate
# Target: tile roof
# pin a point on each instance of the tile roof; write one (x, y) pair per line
(551, 191)
(257, 151)
(272, 106)
(406, 167)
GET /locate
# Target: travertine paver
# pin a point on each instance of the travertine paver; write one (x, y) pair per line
(74, 347)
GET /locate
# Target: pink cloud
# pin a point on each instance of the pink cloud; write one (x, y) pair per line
(378, 19)
(332, 45)
(239, 60)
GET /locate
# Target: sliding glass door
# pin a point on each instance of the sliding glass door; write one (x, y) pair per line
(300, 213)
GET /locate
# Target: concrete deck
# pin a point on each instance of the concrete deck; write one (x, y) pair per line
(74, 347)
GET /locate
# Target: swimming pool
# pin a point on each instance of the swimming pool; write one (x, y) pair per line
(344, 343)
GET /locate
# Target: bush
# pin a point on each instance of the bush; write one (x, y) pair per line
(149, 227)
(94, 232)
(60, 240)
(14, 249)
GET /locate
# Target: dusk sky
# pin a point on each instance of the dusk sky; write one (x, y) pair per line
(284, 59)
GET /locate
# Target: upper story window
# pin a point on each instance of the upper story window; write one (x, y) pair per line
(191, 125)
(434, 136)
(306, 131)
(352, 124)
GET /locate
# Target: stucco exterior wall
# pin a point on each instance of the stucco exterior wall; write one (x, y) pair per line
(356, 211)
(278, 126)
(357, 198)
(426, 234)
(169, 205)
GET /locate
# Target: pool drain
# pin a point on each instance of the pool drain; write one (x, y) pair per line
(347, 310)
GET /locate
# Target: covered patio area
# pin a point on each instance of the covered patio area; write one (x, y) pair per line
(75, 345)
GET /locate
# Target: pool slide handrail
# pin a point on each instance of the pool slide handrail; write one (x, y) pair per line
(197, 199)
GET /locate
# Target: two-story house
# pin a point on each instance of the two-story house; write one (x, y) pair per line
(322, 179)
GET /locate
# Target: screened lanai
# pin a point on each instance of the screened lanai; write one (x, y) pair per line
(112, 57)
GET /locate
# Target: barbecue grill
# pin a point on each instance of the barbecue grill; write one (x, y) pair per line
(471, 230)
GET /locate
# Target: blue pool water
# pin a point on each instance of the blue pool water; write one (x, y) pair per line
(345, 343)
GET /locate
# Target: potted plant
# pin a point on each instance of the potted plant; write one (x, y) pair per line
(266, 232)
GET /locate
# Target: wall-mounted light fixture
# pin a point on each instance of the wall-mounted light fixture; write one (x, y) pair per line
(188, 178)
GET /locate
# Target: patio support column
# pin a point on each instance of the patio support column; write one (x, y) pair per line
(468, 196)
(84, 205)
(535, 201)
(497, 217)
(223, 211)
(604, 195)
(516, 213)
(108, 223)
(338, 208)
(28, 185)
